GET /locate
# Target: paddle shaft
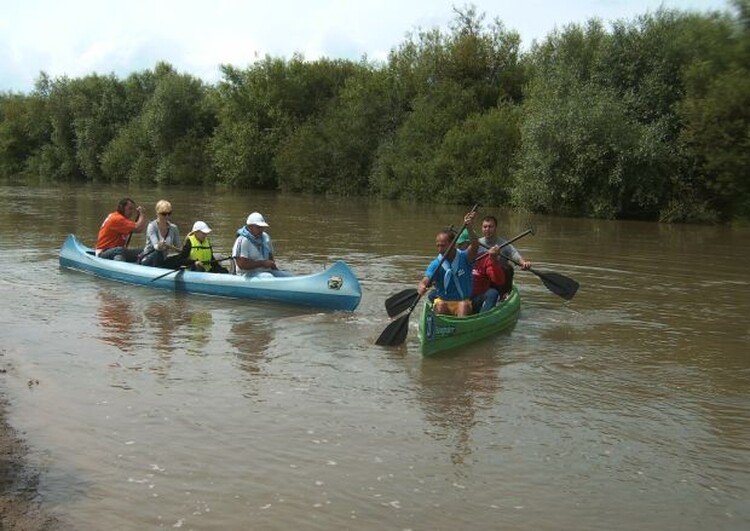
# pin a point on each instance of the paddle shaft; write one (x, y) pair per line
(524, 233)
(508, 243)
(184, 267)
(559, 284)
(181, 268)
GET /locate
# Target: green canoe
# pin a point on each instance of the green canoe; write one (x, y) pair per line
(438, 333)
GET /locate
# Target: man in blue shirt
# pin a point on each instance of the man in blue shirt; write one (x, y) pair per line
(450, 272)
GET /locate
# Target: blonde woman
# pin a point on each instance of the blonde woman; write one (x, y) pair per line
(161, 236)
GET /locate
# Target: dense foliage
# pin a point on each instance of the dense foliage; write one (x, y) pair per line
(646, 119)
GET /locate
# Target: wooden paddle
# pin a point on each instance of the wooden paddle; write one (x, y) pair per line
(401, 301)
(395, 333)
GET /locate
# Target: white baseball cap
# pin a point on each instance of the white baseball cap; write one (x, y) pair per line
(201, 226)
(256, 219)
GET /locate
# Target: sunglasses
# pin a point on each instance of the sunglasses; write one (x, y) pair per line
(165, 213)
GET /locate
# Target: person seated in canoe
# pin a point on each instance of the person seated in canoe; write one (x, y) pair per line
(161, 236)
(253, 250)
(197, 253)
(453, 282)
(487, 275)
(116, 230)
(490, 238)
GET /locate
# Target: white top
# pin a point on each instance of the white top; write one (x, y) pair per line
(253, 249)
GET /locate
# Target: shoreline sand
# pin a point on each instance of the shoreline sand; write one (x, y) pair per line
(20, 508)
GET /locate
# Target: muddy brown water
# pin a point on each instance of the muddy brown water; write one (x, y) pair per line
(625, 408)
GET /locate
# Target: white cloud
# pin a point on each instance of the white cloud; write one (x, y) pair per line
(78, 37)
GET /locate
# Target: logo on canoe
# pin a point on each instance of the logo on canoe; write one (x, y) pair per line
(335, 282)
(434, 331)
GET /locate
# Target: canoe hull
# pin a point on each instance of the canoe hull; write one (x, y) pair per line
(335, 288)
(439, 333)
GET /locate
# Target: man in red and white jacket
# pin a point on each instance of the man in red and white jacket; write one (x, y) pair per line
(488, 279)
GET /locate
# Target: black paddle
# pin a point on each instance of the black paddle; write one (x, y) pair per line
(401, 301)
(558, 284)
(181, 268)
(395, 333)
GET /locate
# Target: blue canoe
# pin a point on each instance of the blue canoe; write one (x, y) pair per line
(335, 288)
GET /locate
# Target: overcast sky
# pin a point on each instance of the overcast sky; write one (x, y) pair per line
(80, 37)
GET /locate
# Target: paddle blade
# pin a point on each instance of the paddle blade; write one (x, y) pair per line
(401, 301)
(559, 284)
(395, 333)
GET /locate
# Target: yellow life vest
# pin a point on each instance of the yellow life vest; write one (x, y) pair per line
(201, 250)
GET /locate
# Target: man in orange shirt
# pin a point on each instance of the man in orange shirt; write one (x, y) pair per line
(114, 234)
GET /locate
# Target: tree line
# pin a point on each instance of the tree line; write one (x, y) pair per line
(647, 119)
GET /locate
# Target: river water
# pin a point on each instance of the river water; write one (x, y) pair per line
(625, 408)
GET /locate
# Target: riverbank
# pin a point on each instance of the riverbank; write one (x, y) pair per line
(19, 507)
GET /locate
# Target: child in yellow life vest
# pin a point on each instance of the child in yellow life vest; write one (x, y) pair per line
(197, 253)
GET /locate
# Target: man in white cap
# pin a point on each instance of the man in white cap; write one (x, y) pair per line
(253, 250)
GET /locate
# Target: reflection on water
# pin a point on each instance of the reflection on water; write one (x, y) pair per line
(250, 340)
(165, 325)
(199, 325)
(152, 331)
(117, 321)
(163, 322)
(452, 391)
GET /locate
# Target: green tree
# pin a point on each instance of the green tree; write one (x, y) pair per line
(584, 154)
(648, 119)
(447, 77)
(167, 141)
(476, 158)
(716, 133)
(178, 123)
(56, 158)
(405, 166)
(99, 110)
(128, 157)
(335, 153)
(20, 135)
(258, 108)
